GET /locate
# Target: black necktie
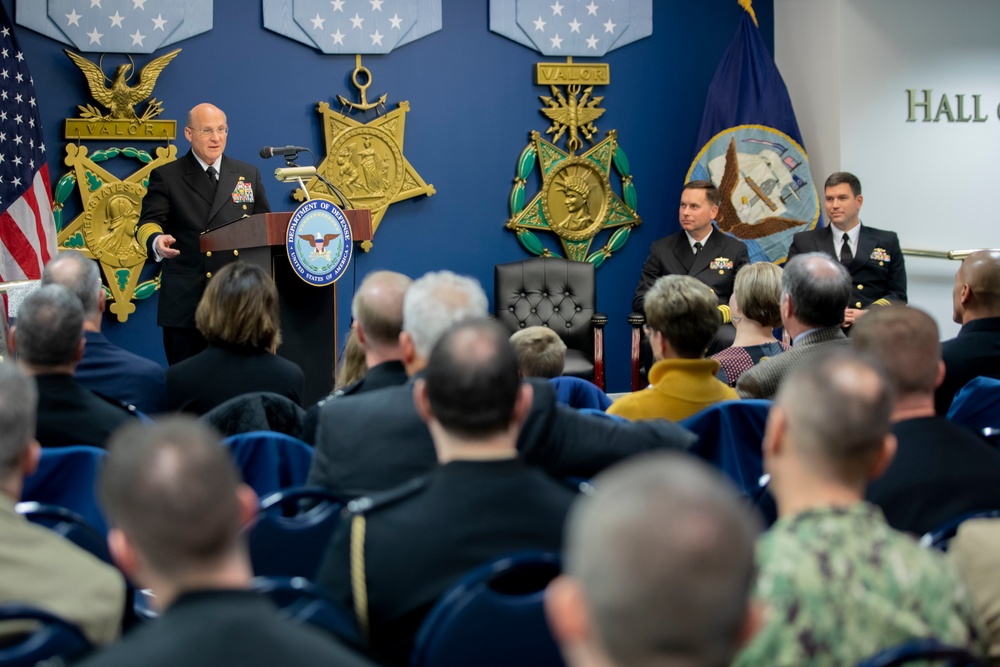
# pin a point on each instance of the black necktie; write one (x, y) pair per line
(213, 176)
(697, 247)
(845, 251)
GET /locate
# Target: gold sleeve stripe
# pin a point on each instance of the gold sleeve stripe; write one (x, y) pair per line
(359, 585)
(726, 315)
(882, 302)
(145, 231)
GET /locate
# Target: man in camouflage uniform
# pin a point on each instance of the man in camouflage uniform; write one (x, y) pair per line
(838, 584)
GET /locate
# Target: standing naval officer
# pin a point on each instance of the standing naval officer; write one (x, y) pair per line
(200, 191)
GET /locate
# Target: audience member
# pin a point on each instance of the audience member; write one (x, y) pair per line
(105, 368)
(238, 316)
(377, 309)
(351, 369)
(839, 583)
(377, 440)
(941, 470)
(974, 550)
(178, 507)
(872, 256)
(658, 569)
(681, 320)
(40, 567)
(541, 353)
(976, 349)
(814, 294)
(481, 503)
(48, 340)
(755, 308)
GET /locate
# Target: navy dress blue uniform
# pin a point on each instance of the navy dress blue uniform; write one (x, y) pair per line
(715, 264)
(878, 272)
(113, 371)
(423, 537)
(974, 352)
(182, 201)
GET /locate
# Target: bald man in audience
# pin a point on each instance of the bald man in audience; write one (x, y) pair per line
(814, 294)
(40, 567)
(377, 309)
(481, 503)
(376, 440)
(942, 470)
(658, 566)
(178, 509)
(976, 349)
(48, 339)
(105, 368)
(837, 582)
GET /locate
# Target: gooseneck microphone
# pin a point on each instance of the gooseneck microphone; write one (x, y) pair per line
(286, 151)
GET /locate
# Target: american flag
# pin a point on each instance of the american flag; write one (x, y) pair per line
(27, 228)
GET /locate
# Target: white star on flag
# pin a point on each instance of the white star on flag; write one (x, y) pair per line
(592, 42)
(73, 18)
(556, 41)
(338, 37)
(357, 26)
(376, 5)
(376, 38)
(574, 25)
(610, 26)
(556, 8)
(540, 24)
(592, 9)
(396, 22)
(116, 20)
(137, 38)
(138, 4)
(130, 25)
(95, 37)
(338, 5)
(357, 21)
(318, 22)
(159, 22)
(598, 19)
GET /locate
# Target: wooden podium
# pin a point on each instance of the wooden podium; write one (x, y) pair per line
(308, 313)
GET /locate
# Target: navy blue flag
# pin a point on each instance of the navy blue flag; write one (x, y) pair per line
(749, 145)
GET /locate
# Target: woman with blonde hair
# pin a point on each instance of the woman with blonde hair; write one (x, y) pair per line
(755, 307)
(238, 315)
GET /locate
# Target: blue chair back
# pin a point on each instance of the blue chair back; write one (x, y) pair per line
(67, 477)
(69, 524)
(493, 617)
(301, 601)
(52, 637)
(579, 393)
(940, 537)
(977, 404)
(922, 650)
(291, 532)
(730, 436)
(270, 461)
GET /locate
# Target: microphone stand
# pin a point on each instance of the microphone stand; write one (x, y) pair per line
(344, 202)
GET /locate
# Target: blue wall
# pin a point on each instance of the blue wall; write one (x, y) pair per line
(473, 103)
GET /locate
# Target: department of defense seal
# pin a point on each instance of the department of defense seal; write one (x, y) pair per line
(319, 242)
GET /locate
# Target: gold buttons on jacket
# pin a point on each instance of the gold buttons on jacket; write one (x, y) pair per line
(861, 286)
(209, 275)
(857, 305)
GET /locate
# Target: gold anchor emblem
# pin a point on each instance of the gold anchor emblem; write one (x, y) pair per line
(364, 104)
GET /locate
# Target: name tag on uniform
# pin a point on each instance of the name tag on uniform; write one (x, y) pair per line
(243, 192)
(880, 255)
(721, 263)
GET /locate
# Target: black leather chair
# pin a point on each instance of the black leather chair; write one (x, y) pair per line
(561, 295)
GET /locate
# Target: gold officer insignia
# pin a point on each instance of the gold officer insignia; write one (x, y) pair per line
(576, 200)
(365, 161)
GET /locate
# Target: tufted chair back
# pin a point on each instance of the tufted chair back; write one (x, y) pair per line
(558, 294)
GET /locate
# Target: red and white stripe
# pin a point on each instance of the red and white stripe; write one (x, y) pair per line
(28, 232)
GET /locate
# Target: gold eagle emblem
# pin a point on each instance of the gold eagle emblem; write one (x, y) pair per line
(576, 115)
(119, 97)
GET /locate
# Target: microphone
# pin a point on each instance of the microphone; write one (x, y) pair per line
(287, 151)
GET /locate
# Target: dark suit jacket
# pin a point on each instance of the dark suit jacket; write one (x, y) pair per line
(377, 440)
(212, 377)
(417, 545)
(386, 374)
(941, 471)
(874, 280)
(974, 352)
(672, 255)
(225, 627)
(181, 202)
(71, 414)
(113, 371)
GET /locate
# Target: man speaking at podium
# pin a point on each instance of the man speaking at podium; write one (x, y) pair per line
(200, 191)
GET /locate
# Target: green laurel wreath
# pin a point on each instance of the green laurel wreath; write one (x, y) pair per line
(526, 165)
(65, 186)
